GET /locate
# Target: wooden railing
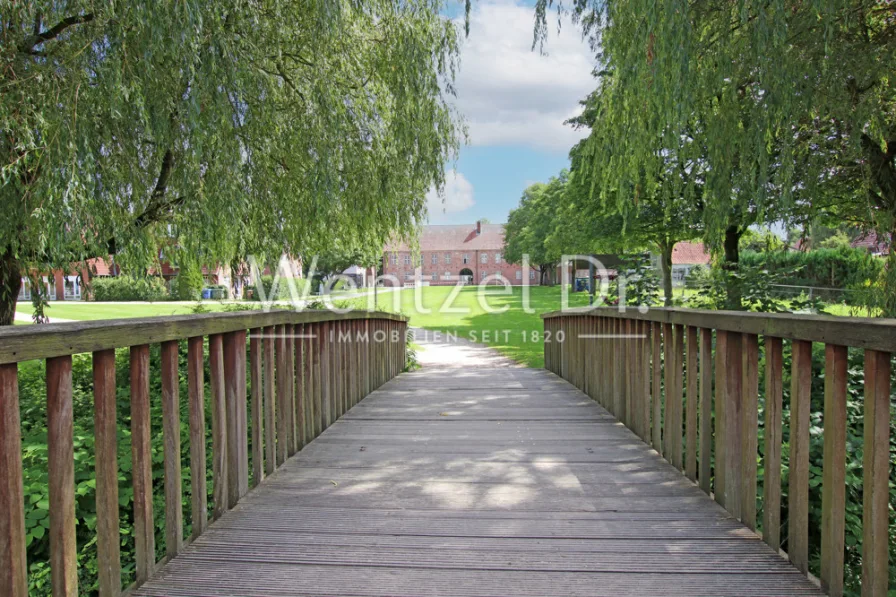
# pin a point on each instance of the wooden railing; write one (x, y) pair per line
(305, 369)
(687, 382)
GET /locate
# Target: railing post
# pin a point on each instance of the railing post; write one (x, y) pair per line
(283, 396)
(290, 344)
(141, 456)
(300, 374)
(705, 475)
(657, 370)
(174, 524)
(798, 487)
(749, 428)
(325, 378)
(774, 390)
(875, 479)
(105, 426)
(219, 425)
(61, 460)
(691, 405)
(270, 403)
(256, 396)
(237, 431)
(196, 389)
(13, 563)
(833, 488)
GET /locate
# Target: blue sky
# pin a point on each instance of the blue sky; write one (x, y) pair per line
(514, 101)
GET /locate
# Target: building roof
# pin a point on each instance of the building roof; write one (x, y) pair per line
(690, 253)
(457, 238)
(872, 242)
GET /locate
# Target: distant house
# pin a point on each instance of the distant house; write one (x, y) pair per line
(873, 243)
(685, 256)
(467, 253)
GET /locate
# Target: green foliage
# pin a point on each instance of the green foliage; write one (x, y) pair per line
(842, 267)
(755, 285)
(641, 282)
(127, 288)
(410, 363)
(32, 395)
(230, 128)
(188, 284)
(530, 225)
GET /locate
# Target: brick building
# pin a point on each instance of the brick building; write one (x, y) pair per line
(468, 253)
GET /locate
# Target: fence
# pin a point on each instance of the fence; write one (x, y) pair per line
(687, 382)
(305, 370)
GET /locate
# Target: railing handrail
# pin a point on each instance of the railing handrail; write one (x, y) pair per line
(24, 343)
(859, 332)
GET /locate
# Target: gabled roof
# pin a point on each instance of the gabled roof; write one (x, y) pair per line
(457, 238)
(872, 242)
(690, 253)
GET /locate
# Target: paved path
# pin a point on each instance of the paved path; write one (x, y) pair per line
(473, 477)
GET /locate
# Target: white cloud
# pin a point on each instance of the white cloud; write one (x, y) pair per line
(455, 197)
(511, 94)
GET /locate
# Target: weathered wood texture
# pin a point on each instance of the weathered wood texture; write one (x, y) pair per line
(720, 418)
(278, 413)
(477, 482)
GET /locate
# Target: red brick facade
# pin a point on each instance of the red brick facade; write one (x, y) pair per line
(448, 254)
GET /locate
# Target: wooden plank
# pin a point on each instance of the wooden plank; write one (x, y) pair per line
(657, 398)
(798, 486)
(13, 566)
(619, 368)
(174, 524)
(326, 379)
(494, 506)
(691, 408)
(310, 382)
(291, 392)
(61, 469)
(196, 397)
(237, 414)
(750, 429)
(141, 464)
(270, 400)
(299, 370)
(317, 379)
(23, 343)
(833, 496)
(257, 405)
(733, 420)
(722, 363)
(647, 406)
(105, 425)
(283, 394)
(774, 391)
(706, 410)
(861, 332)
(220, 468)
(876, 464)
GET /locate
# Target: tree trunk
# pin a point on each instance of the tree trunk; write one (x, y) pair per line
(10, 284)
(733, 290)
(666, 271)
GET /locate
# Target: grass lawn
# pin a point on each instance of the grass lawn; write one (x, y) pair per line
(87, 310)
(515, 333)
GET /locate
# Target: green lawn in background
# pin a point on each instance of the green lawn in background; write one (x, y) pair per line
(514, 333)
(87, 310)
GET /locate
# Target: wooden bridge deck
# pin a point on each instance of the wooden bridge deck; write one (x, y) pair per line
(482, 481)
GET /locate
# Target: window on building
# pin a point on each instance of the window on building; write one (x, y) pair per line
(531, 274)
(519, 275)
(393, 259)
(483, 258)
(407, 259)
(435, 259)
(497, 258)
(408, 275)
(466, 258)
(447, 258)
(482, 275)
(434, 276)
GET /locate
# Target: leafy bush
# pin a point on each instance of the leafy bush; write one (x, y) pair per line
(698, 277)
(757, 288)
(126, 288)
(844, 267)
(188, 284)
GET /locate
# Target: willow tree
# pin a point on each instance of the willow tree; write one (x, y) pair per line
(786, 99)
(218, 129)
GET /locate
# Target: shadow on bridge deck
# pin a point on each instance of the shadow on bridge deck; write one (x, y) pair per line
(479, 480)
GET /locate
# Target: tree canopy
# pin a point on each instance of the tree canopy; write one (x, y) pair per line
(222, 128)
(787, 108)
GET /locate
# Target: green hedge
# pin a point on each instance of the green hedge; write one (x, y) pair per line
(126, 288)
(845, 267)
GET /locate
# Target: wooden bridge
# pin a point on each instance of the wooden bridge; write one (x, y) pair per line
(621, 469)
